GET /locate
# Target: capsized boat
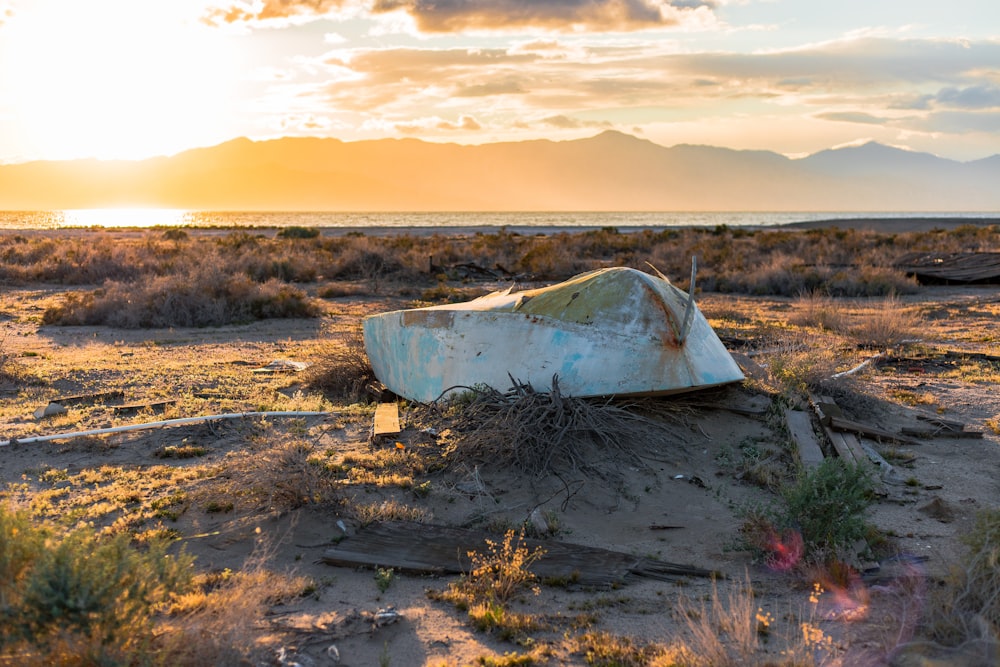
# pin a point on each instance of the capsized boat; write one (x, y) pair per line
(610, 332)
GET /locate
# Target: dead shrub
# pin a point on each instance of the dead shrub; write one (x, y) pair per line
(540, 432)
(345, 372)
(277, 472)
(201, 297)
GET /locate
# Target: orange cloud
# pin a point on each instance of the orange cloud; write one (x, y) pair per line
(604, 15)
(442, 16)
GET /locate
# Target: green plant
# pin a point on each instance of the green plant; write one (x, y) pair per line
(828, 506)
(73, 598)
(821, 517)
(298, 232)
(384, 576)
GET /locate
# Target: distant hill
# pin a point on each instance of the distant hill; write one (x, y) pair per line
(611, 171)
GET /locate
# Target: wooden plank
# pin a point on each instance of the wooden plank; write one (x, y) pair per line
(941, 422)
(800, 428)
(840, 445)
(156, 407)
(415, 547)
(841, 424)
(941, 433)
(825, 408)
(88, 399)
(386, 419)
(860, 456)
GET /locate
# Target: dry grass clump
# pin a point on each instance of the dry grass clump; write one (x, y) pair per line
(603, 649)
(11, 373)
(497, 575)
(345, 371)
(816, 309)
(539, 432)
(394, 467)
(219, 621)
(793, 367)
(115, 499)
(277, 472)
(886, 324)
(883, 324)
(732, 631)
(968, 606)
(204, 296)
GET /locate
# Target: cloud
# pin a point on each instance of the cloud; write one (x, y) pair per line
(561, 15)
(445, 16)
(508, 87)
(958, 122)
(422, 125)
(971, 97)
(464, 123)
(852, 117)
(270, 11)
(566, 123)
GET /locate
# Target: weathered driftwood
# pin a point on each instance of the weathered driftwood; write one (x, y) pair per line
(845, 443)
(425, 548)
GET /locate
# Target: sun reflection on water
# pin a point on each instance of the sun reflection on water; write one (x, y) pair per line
(125, 217)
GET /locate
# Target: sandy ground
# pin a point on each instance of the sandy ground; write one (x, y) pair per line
(684, 484)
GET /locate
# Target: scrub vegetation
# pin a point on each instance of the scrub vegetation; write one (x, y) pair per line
(97, 537)
(158, 278)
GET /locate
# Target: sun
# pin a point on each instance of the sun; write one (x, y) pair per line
(114, 78)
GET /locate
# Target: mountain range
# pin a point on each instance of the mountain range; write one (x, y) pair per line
(608, 172)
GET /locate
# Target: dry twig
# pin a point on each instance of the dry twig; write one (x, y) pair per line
(539, 432)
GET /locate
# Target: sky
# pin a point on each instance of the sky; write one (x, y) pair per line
(139, 78)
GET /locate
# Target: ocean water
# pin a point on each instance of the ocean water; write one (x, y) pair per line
(429, 221)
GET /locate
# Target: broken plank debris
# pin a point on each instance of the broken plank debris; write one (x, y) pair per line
(417, 547)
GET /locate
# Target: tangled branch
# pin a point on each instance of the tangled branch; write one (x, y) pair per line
(539, 432)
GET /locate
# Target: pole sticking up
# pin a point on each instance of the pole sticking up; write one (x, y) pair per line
(689, 311)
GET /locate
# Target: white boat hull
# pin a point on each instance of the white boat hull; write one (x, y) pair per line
(427, 353)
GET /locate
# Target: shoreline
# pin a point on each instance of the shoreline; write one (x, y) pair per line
(871, 224)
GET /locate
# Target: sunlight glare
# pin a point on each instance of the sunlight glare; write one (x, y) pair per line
(125, 217)
(115, 78)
